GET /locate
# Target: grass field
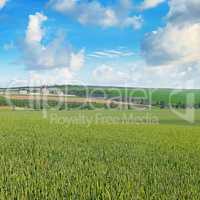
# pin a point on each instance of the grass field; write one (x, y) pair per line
(46, 159)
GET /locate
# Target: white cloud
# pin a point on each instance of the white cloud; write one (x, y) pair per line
(179, 41)
(34, 32)
(173, 45)
(133, 74)
(175, 48)
(2, 3)
(50, 77)
(113, 53)
(135, 22)
(184, 11)
(139, 74)
(77, 60)
(94, 13)
(107, 75)
(63, 6)
(54, 55)
(148, 4)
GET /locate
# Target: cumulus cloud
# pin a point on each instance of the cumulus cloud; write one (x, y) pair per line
(50, 77)
(53, 55)
(148, 4)
(2, 3)
(94, 13)
(63, 6)
(135, 22)
(179, 41)
(106, 74)
(77, 60)
(34, 32)
(173, 45)
(184, 11)
(47, 77)
(140, 74)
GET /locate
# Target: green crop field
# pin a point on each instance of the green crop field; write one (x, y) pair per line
(155, 96)
(86, 155)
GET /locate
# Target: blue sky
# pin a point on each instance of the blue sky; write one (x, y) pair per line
(100, 42)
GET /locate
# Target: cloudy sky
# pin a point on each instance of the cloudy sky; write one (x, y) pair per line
(139, 43)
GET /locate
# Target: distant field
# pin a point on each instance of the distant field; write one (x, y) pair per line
(94, 158)
(57, 98)
(156, 96)
(27, 101)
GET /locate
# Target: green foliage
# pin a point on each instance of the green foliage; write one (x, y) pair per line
(57, 159)
(3, 101)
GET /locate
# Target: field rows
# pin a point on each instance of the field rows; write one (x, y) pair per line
(40, 159)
